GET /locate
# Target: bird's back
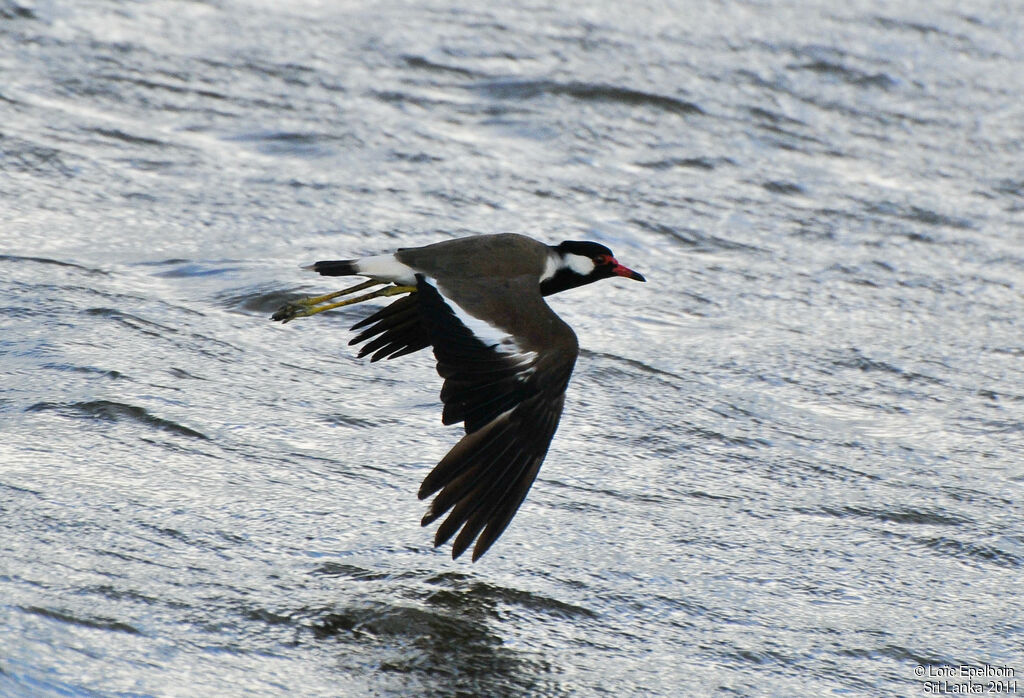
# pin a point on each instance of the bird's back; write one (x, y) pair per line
(506, 255)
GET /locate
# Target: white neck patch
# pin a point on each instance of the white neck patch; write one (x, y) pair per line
(551, 267)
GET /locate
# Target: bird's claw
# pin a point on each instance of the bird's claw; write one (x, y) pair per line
(304, 307)
(288, 312)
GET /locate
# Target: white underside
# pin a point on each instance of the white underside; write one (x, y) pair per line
(384, 267)
(491, 336)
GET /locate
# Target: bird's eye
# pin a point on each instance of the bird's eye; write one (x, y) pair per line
(601, 260)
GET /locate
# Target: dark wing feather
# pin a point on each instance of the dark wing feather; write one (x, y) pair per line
(397, 328)
(510, 401)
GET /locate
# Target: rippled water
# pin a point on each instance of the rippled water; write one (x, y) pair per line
(789, 465)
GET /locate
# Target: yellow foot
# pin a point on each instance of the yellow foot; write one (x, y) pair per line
(311, 306)
(298, 308)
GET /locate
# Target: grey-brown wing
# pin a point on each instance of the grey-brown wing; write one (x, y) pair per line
(507, 384)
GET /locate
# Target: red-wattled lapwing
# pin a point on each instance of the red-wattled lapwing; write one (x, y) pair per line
(503, 353)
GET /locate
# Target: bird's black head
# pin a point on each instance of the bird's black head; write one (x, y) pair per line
(575, 263)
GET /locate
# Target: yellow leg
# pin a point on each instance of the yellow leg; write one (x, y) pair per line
(311, 306)
(295, 309)
(331, 296)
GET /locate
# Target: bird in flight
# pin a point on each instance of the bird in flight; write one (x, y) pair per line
(504, 355)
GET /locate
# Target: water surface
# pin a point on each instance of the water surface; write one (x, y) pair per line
(791, 464)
